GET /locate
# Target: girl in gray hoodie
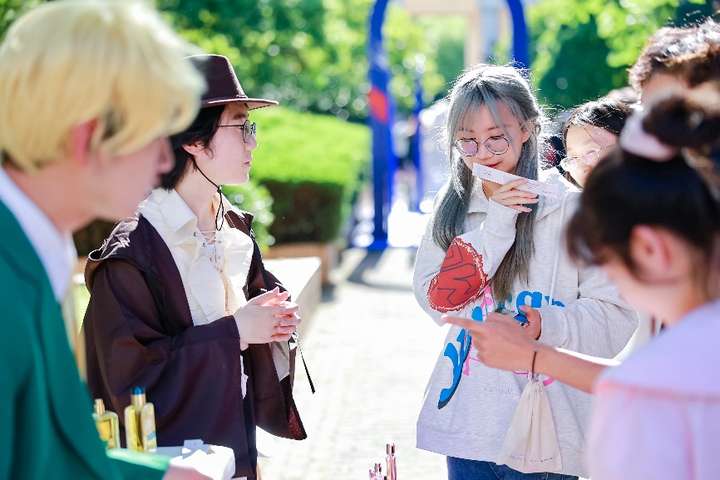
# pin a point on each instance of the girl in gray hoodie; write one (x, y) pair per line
(495, 249)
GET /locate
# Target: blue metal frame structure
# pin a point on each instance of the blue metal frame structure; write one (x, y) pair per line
(381, 109)
(416, 141)
(521, 41)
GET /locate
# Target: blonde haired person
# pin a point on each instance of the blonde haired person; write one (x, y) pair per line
(89, 91)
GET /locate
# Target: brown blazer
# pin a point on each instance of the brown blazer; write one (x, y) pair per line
(139, 332)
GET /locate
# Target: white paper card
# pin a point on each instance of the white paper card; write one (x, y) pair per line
(533, 186)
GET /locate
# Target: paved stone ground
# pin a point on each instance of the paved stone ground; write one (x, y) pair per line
(370, 350)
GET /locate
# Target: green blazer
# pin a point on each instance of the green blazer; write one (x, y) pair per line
(46, 426)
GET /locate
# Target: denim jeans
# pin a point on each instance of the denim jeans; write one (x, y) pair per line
(462, 469)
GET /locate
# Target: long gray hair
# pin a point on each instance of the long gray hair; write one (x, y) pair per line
(488, 85)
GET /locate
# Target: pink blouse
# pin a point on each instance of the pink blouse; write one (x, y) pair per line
(657, 416)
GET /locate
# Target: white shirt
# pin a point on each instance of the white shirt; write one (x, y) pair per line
(213, 291)
(54, 248)
(214, 288)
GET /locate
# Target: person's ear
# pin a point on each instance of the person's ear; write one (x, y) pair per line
(81, 136)
(194, 149)
(651, 251)
(527, 129)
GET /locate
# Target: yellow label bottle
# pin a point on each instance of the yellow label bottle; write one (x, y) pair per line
(132, 429)
(107, 424)
(140, 423)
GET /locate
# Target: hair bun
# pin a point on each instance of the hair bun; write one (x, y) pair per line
(691, 120)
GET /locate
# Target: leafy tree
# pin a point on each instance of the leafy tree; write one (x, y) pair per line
(448, 34)
(309, 54)
(582, 48)
(579, 70)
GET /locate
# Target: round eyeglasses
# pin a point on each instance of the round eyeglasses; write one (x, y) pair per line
(469, 147)
(249, 129)
(589, 159)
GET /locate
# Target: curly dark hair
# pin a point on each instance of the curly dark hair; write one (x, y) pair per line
(660, 54)
(690, 52)
(703, 64)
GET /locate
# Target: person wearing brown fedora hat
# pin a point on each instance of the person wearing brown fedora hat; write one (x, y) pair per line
(181, 295)
(223, 85)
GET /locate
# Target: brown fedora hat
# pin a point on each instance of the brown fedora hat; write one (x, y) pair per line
(223, 85)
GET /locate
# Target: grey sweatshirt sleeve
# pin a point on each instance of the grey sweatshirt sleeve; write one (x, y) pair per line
(448, 281)
(598, 323)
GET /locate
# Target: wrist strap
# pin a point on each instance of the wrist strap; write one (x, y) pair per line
(307, 372)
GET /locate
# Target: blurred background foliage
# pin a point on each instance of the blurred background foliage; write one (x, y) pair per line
(311, 56)
(583, 48)
(313, 166)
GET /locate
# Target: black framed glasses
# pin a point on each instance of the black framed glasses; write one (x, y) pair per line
(249, 129)
(469, 147)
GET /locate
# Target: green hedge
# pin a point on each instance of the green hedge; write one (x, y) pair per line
(313, 166)
(255, 199)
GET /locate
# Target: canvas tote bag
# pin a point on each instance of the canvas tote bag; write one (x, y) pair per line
(531, 443)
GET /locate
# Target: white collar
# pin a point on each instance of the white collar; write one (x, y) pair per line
(178, 218)
(176, 223)
(54, 248)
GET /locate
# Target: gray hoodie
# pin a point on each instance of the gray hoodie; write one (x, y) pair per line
(468, 407)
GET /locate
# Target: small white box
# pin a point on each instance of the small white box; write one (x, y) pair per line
(213, 461)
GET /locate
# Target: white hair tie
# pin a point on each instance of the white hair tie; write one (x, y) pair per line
(634, 139)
